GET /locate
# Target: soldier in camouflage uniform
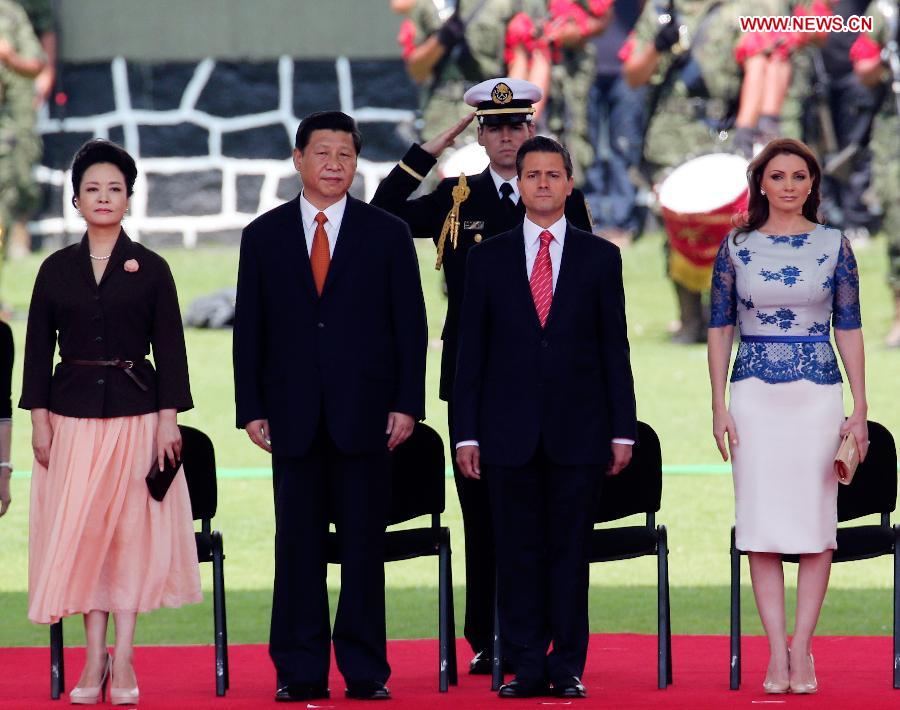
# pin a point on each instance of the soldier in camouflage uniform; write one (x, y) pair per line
(871, 65)
(686, 119)
(474, 41)
(21, 60)
(570, 23)
(40, 14)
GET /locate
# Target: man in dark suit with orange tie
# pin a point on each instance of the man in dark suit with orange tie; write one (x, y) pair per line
(329, 367)
(545, 406)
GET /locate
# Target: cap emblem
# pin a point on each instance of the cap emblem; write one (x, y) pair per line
(501, 94)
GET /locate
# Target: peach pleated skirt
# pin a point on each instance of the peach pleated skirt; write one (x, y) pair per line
(785, 490)
(97, 540)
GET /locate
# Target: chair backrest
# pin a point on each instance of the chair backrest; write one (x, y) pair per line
(637, 488)
(417, 476)
(199, 459)
(874, 487)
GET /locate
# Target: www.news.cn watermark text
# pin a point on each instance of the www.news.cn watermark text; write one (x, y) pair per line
(816, 24)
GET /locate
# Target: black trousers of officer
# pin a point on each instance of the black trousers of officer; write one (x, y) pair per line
(542, 523)
(353, 491)
(480, 561)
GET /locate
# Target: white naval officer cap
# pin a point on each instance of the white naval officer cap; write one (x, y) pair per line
(503, 100)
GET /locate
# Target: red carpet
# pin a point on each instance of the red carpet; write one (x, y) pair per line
(854, 672)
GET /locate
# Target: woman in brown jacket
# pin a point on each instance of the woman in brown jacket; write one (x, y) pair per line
(98, 543)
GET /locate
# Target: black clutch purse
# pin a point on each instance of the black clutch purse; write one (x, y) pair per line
(158, 482)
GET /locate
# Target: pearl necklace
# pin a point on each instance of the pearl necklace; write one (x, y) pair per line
(99, 258)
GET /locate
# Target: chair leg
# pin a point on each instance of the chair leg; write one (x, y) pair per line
(57, 661)
(219, 616)
(735, 678)
(897, 607)
(663, 632)
(444, 634)
(451, 618)
(497, 660)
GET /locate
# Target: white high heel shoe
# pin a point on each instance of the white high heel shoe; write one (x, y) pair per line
(95, 694)
(123, 696)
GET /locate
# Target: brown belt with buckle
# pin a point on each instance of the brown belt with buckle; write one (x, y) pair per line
(126, 366)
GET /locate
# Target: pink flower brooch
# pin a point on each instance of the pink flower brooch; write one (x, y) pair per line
(131, 266)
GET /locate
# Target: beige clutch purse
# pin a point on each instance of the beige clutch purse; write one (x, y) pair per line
(847, 459)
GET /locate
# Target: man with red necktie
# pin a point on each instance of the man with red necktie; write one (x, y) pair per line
(544, 408)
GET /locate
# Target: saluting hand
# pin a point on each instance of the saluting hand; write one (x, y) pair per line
(442, 141)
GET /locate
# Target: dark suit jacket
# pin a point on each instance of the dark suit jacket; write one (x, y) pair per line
(356, 353)
(567, 385)
(481, 217)
(120, 319)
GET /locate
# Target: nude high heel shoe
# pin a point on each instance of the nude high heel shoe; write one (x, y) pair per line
(92, 695)
(123, 696)
(806, 688)
(777, 687)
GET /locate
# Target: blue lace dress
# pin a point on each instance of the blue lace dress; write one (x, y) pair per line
(781, 291)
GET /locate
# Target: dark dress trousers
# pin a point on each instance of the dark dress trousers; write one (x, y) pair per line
(544, 405)
(122, 318)
(482, 216)
(326, 371)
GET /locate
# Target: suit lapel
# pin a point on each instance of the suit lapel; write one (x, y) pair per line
(83, 257)
(520, 275)
(120, 253)
(293, 244)
(348, 240)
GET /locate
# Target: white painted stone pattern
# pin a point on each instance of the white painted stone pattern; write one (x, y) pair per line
(229, 218)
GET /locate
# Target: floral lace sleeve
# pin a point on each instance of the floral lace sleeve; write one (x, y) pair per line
(723, 295)
(845, 305)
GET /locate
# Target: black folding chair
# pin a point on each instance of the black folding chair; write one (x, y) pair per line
(199, 461)
(417, 489)
(873, 491)
(636, 490)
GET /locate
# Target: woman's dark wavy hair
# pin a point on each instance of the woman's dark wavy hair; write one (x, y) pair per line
(758, 206)
(99, 150)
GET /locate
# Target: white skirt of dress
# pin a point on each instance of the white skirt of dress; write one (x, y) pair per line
(785, 489)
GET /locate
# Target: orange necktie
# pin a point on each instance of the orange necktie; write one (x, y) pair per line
(319, 256)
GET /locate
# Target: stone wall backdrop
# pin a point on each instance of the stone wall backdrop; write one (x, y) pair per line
(212, 139)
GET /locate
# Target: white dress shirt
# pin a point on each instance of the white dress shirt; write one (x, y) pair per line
(513, 182)
(532, 235)
(334, 213)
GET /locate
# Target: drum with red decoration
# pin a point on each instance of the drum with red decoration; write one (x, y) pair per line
(698, 200)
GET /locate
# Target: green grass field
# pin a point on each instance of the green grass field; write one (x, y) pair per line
(672, 395)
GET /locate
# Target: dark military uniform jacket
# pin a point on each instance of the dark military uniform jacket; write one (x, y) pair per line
(481, 217)
(121, 318)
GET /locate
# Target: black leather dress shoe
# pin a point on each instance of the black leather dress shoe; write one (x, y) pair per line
(372, 690)
(570, 688)
(301, 692)
(482, 663)
(524, 689)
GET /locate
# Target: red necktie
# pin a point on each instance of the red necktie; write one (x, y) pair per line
(542, 279)
(319, 255)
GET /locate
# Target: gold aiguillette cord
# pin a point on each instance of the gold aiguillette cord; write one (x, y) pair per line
(451, 224)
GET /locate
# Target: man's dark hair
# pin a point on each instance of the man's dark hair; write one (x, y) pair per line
(327, 121)
(103, 151)
(542, 144)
